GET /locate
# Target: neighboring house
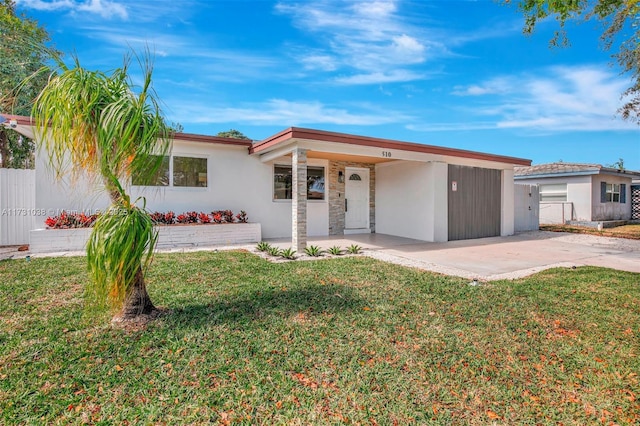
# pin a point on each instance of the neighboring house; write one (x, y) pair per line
(348, 184)
(580, 192)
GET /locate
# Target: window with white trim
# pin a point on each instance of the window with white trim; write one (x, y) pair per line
(553, 192)
(613, 193)
(190, 171)
(178, 171)
(283, 181)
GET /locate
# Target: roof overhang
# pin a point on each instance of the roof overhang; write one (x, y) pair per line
(26, 127)
(603, 171)
(323, 144)
(20, 124)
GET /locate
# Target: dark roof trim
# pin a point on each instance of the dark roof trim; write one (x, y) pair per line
(20, 119)
(192, 137)
(569, 169)
(189, 137)
(561, 174)
(320, 135)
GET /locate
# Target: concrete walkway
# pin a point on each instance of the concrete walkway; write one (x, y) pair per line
(484, 259)
(497, 257)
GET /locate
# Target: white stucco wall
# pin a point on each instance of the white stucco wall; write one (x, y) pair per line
(411, 200)
(235, 181)
(577, 206)
(507, 207)
(583, 192)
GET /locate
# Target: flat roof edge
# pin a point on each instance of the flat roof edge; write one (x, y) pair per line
(347, 139)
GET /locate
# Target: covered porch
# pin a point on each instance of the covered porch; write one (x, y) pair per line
(372, 185)
(397, 188)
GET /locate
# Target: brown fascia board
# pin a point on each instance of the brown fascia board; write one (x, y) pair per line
(190, 137)
(20, 119)
(320, 135)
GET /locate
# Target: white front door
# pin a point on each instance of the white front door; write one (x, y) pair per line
(356, 194)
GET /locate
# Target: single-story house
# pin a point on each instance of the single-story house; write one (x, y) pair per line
(580, 192)
(304, 182)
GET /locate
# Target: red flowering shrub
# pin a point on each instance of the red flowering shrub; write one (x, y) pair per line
(242, 217)
(192, 217)
(70, 220)
(228, 216)
(217, 217)
(80, 220)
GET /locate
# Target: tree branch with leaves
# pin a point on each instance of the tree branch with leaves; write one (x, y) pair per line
(621, 34)
(23, 57)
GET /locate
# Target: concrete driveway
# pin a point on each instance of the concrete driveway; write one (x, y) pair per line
(497, 257)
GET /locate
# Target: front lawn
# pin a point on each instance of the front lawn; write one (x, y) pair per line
(339, 341)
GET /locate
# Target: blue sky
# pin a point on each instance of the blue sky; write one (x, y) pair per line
(450, 73)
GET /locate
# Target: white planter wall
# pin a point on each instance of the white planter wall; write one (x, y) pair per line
(175, 236)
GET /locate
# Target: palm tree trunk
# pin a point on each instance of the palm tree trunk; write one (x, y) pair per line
(4, 148)
(137, 300)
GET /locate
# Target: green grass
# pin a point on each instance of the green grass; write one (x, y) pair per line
(348, 340)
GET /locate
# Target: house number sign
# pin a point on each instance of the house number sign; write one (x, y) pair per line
(386, 154)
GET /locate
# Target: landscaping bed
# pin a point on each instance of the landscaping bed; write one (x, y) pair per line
(70, 232)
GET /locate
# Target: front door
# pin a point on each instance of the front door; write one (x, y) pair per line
(356, 194)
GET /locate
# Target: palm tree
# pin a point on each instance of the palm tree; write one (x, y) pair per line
(100, 125)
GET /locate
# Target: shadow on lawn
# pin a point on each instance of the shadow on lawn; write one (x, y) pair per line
(258, 305)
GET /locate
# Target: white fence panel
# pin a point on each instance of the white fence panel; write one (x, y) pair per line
(556, 212)
(527, 208)
(17, 205)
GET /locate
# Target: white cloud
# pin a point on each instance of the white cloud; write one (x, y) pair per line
(288, 113)
(369, 39)
(394, 76)
(104, 8)
(579, 98)
(408, 49)
(319, 62)
(46, 5)
(493, 86)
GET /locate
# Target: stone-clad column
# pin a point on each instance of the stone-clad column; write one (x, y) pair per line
(299, 200)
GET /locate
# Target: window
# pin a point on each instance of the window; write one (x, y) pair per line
(177, 171)
(283, 182)
(189, 171)
(553, 192)
(613, 193)
(160, 178)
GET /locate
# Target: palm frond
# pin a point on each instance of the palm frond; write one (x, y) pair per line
(121, 242)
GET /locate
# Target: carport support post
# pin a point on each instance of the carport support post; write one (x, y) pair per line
(299, 200)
